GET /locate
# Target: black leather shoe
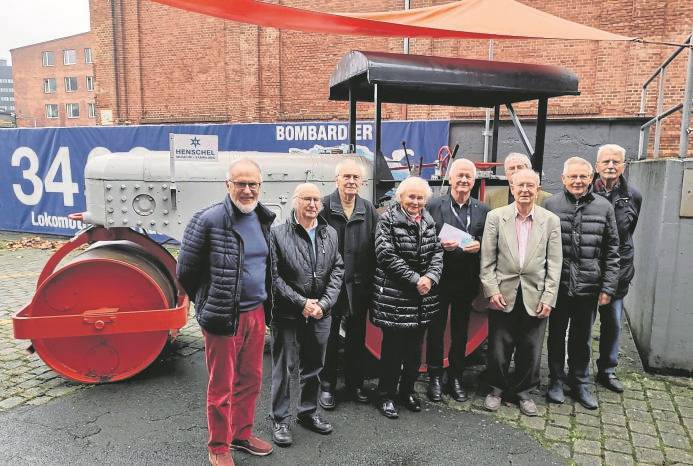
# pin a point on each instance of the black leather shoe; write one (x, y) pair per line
(388, 409)
(411, 402)
(326, 400)
(358, 394)
(281, 434)
(315, 422)
(456, 389)
(555, 392)
(584, 396)
(610, 381)
(435, 389)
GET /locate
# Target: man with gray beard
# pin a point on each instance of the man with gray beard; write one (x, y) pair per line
(225, 265)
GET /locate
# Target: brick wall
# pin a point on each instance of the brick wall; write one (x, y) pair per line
(29, 74)
(159, 64)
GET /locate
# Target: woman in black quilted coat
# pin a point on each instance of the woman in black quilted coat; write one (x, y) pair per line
(409, 263)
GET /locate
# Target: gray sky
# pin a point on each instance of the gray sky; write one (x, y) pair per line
(26, 22)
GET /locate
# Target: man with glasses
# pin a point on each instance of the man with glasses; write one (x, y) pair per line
(355, 219)
(611, 162)
(589, 277)
(225, 265)
(307, 285)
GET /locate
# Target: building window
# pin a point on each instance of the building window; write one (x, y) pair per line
(49, 86)
(87, 56)
(72, 110)
(6, 89)
(69, 57)
(90, 83)
(70, 84)
(91, 109)
(48, 58)
(6, 99)
(51, 110)
(6, 81)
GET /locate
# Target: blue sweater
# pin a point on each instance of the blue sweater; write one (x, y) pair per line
(253, 292)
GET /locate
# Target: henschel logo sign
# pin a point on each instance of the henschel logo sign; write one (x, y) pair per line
(195, 147)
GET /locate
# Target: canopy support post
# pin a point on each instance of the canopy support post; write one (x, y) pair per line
(377, 154)
(494, 142)
(352, 119)
(540, 138)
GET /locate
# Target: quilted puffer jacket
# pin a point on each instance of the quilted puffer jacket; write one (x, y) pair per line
(210, 265)
(303, 274)
(405, 251)
(590, 244)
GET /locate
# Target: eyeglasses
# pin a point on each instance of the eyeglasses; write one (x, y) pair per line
(308, 200)
(351, 177)
(613, 162)
(578, 177)
(241, 185)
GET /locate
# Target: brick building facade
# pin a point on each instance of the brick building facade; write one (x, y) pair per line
(54, 82)
(158, 64)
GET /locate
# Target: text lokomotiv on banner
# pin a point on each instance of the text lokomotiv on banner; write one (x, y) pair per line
(42, 169)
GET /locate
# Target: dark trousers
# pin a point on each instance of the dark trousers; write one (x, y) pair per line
(518, 332)
(354, 353)
(579, 312)
(297, 341)
(435, 337)
(609, 335)
(400, 358)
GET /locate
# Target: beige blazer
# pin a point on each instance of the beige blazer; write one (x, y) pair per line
(540, 274)
(497, 196)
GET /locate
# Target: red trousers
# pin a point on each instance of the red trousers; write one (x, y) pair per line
(234, 364)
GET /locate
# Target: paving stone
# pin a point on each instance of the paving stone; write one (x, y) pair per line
(681, 456)
(608, 396)
(617, 459)
(644, 440)
(60, 391)
(648, 455)
(535, 423)
(612, 408)
(662, 404)
(616, 431)
(635, 404)
(671, 427)
(686, 411)
(588, 432)
(654, 384)
(641, 427)
(39, 401)
(556, 433)
(11, 402)
(565, 408)
(30, 383)
(614, 419)
(560, 420)
(660, 415)
(561, 449)
(684, 401)
(593, 421)
(615, 444)
(587, 460)
(639, 415)
(590, 447)
(676, 441)
(32, 393)
(636, 394)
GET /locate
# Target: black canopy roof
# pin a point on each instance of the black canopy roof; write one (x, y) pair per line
(418, 79)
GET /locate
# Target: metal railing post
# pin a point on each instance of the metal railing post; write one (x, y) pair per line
(687, 97)
(660, 105)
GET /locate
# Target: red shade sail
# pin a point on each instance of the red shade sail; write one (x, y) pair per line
(471, 19)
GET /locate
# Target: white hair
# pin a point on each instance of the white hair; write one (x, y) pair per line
(243, 161)
(461, 161)
(614, 148)
(528, 171)
(517, 156)
(300, 188)
(346, 162)
(577, 161)
(413, 182)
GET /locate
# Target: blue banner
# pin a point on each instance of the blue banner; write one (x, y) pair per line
(42, 169)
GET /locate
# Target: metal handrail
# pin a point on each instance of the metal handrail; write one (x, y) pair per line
(685, 106)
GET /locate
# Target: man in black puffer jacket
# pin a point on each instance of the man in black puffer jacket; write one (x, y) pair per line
(409, 261)
(611, 162)
(589, 277)
(225, 265)
(307, 285)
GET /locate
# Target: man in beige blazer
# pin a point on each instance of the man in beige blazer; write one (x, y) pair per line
(499, 196)
(521, 258)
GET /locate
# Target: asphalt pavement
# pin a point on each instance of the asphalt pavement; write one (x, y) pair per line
(159, 418)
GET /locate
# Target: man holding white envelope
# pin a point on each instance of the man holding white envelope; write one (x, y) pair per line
(460, 223)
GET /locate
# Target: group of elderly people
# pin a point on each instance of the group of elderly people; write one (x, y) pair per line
(537, 258)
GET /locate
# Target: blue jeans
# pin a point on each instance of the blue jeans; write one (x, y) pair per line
(609, 334)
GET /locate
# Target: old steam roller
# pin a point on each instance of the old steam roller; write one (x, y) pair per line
(106, 313)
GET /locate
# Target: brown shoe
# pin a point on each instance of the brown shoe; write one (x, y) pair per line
(254, 445)
(492, 402)
(528, 408)
(221, 459)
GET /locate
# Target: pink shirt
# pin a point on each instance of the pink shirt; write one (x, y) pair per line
(523, 226)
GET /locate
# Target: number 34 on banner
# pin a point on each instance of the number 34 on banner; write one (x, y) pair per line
(60, 163)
